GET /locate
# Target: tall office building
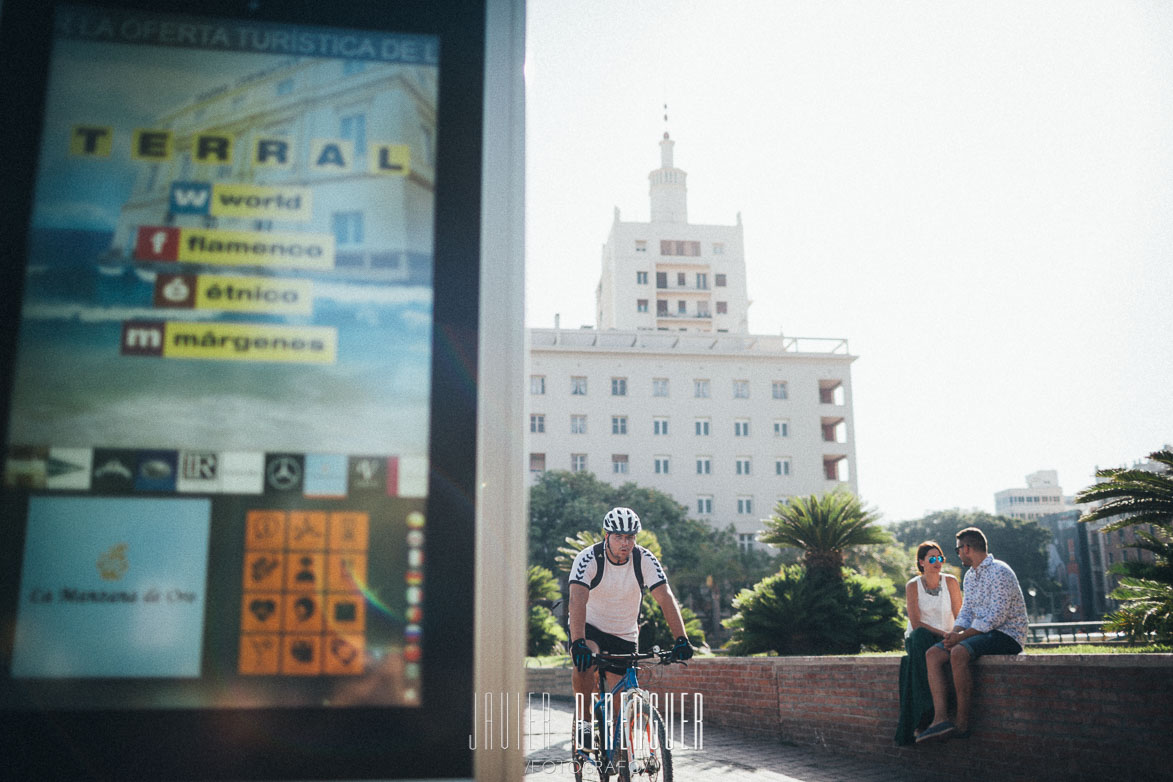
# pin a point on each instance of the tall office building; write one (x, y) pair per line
(670, 390)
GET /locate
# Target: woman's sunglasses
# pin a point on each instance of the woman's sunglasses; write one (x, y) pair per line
(935, 559)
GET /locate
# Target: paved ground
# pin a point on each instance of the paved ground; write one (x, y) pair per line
(722, 754)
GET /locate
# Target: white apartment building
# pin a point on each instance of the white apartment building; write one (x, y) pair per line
(671, 391)
(1040, 497)
(381, 223)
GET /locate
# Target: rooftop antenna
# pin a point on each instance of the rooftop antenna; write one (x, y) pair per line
(665, 120)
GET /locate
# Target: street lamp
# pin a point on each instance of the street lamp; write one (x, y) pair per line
(1033, 593)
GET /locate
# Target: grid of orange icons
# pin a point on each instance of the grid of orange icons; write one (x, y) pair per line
(303, 612)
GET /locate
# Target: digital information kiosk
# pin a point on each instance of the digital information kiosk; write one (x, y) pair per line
(240, 287)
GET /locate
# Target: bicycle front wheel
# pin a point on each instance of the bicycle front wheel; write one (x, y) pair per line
(646, 757)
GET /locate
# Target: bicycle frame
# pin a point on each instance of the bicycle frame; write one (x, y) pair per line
(611, 727)
(612, 733)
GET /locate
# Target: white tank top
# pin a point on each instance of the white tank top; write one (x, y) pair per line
(935, 610)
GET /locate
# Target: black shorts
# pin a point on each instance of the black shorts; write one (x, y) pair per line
(611, 643)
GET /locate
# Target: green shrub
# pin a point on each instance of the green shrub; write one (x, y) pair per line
(796, 613)
(545, 634)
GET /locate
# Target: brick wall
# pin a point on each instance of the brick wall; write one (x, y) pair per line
(1035, 717)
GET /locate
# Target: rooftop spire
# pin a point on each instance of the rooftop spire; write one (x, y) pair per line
(668, 191)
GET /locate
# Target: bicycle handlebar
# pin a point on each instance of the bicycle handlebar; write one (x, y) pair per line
(665, 658)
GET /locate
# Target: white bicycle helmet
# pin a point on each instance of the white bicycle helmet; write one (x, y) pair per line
(621, 520)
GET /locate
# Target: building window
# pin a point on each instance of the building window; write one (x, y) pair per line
(741, 427)
(659, 386)
(537, 462)
(719, 280)
(702, 309)
(682, 248)
(741, 389)
(578, 462)
(704, 505)
(704, 465)
(578, 424)
(661, 279)
(745, 505)
(537, 423)
(619, 463)
(722, 307)
(347, 227)
(682, 307)
(781, 428)
(745, 541)
(641, 305)
(659, 426)
(718, 248)
(661, 465)
(537, 384)
(662, 307)
(354, 128)
(618, 424)
(578, 386)
(781, 466)
(700, 389)
(702, 281)
(680, 277)
(618, 386)
(702, 427)
(778, 389)
(641, 278)
(743, 465)
(641, 246)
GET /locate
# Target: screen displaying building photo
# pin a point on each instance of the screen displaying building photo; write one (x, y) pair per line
(218, 429)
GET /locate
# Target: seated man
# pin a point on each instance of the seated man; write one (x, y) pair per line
(992, 621)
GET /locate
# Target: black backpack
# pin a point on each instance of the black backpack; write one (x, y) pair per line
(601, 556)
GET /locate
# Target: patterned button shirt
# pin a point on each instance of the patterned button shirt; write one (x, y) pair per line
(993, 600)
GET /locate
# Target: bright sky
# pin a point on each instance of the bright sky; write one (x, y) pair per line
(979, 196)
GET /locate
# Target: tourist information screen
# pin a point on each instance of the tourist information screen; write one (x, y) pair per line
(216, 472)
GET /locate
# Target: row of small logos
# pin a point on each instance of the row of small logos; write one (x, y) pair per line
(412, 634)
(123, 470)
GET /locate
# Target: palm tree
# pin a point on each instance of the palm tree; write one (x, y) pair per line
(823, 526)
(1135, 497)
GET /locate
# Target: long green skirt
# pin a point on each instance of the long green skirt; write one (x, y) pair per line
(916, 699)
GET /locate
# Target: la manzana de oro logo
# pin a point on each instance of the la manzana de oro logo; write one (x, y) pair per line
(113, 564)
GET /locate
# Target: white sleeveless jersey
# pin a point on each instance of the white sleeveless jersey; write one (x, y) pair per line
(613, 604)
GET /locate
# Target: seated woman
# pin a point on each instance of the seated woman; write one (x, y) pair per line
(934, 599)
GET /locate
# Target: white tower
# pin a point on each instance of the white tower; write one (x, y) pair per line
(668, 189)
(669, 274)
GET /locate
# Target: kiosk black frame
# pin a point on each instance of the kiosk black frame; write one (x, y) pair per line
(360, 742)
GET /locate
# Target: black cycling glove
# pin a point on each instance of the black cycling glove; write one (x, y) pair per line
(581, 654)
(682, 650)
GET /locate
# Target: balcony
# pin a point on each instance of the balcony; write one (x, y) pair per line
(684, 289)
(831, 392)
(835, 468)
(684, 316)
(834, 430)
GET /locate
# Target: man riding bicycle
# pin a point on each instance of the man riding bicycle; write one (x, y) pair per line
(606, 585)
